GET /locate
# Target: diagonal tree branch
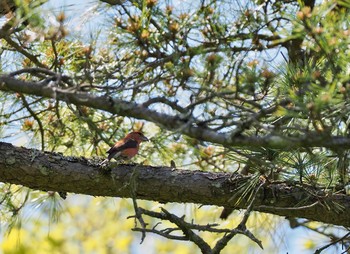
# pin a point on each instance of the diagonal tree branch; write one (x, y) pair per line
(37, 119)
(171, 122)
(55, 172)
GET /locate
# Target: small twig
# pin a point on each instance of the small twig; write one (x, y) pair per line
(169, 230)
(166, 235)
(41, 128)
(193, 237)
(43, 73)
(288, 208)
(138, 216)
(187, 229)
(253, 238)
(208, 227)
(138, 211)
(346, 251)
(33, 70)
(241, 228)
(332, 243)
(20, 49)
(54, 49)
(249, 208)
(165, 101)
(7, 115)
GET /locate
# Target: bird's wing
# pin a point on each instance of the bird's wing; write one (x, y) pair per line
(121, 146)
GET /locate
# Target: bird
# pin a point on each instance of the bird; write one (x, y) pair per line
(126, 148)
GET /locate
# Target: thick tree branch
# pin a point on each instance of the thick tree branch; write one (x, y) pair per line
(55, 172)
(170, 122)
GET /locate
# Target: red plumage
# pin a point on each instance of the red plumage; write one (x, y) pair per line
(127, 147)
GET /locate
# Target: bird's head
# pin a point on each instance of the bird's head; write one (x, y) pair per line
(136, 135)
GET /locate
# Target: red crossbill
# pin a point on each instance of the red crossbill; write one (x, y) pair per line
(127, 147)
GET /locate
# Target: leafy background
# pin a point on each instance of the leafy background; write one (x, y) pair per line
(96, 45)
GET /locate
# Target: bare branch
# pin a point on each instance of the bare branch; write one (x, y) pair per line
(187, 231)
(171, 122)
(318, 251)
(20, 49)
(138, 211)
(37, 119)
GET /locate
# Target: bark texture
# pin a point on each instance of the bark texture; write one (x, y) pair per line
(55, 172)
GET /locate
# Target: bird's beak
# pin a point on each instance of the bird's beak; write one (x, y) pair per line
(144, 138)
